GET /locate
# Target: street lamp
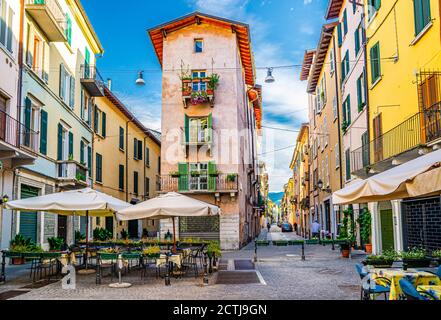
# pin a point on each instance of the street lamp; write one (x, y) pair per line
(140, 81)
(269, 77)
(321, 187)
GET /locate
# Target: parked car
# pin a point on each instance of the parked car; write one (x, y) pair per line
(287, 227)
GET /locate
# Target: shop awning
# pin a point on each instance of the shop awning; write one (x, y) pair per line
(418, 177)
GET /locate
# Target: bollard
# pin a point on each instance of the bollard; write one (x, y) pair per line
(255, 250)
(303, 251)
(333, 246)
(167, 272)
(205, 270)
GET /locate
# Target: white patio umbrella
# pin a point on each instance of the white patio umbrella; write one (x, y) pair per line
(85, 202)
(168, 206)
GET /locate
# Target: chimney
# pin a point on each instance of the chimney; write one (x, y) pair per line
(109, 84)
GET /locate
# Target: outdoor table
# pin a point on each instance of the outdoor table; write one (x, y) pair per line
(430, 291)
(416, 277)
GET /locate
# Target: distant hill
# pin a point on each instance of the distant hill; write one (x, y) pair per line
(276, 197)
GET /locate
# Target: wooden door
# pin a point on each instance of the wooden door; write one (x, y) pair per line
(387, 231)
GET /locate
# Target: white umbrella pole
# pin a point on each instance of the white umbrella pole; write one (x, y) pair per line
(86, 270)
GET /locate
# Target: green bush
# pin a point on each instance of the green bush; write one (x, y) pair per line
(79, 236)
(20, 244)
(365, 221)
(414, 253)
(124, 234)
(436, 253)
(213, 249)
(101, 234)
(55, 243)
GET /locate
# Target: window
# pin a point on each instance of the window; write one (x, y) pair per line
(361, 99)
(358, 39)
(198, 130)
(198, 45)
(121, 177)
(121, 138)
(99, 168)
(84, 146)
(348, 164)
(147, 157)
(199, 182)
(147, 187)
(347, 110)
(375, 62)
(325, 131)
(67, 87)
(159, 165)
(365, 148)
(422, 17)
(373, 7)
(6, 26)
(340, 36)
(86, 107)
(64, 148)
(332, 64)
(100, 122)
(345, 66)
(31, 118)
(103, 124)
(337, 156)
(137, 149)
(198, 83)
(321, 94)
(327, 170)
(135, 183)
(335, 108)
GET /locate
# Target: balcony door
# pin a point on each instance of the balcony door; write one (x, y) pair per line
(430, 98)
(199, 130)
(378, 139)
(200, 180)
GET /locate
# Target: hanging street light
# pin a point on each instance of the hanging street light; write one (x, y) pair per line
(140, 81)
(269, 77)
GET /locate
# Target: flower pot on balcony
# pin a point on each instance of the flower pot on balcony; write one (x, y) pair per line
(186, 80)
(18, 261)
(210, 92)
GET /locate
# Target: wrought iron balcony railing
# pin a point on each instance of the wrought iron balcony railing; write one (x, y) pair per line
(15, 133)
(202, 183)
(92, 80)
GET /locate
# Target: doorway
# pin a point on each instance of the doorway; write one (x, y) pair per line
(328, 215)
(133, 229)
(62, 228)
(387, 232)
(109, 224)
(28, 219)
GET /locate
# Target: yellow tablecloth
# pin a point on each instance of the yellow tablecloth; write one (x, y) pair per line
(66, 259)
(434, 291)
(176, 259)
(417, 278)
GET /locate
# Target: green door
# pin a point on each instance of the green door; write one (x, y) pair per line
(387, 232)
(28, 220)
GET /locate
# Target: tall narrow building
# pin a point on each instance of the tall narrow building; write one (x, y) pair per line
(211, 113)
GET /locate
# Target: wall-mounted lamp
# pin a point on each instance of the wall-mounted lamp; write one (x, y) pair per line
(4, 199)
(321, 187)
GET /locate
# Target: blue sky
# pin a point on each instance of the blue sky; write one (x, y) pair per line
(280, 30)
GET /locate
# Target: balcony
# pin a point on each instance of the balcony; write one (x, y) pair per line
(12, 135)
(221, 183)
(202, 95)
(71, 175)
(50, 18)
(92, 80)
(399, 144)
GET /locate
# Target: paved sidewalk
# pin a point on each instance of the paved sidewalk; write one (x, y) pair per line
(324, 275)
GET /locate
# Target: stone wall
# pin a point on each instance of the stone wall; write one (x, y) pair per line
(229, 232)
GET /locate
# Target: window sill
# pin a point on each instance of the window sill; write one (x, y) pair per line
(376, 82)
(421, 34)
(99, 182)
(122, 150)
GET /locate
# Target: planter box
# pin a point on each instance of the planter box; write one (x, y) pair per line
(312, 241)
(296, 242)
(379, 263)
(262, 243)
(326, 241)
(417, 263)
(18, 261)
(280, 243)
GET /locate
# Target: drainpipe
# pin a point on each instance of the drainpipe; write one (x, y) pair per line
(366, 82)
(20, 61)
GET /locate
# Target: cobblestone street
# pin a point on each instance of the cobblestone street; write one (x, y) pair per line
(324, 275)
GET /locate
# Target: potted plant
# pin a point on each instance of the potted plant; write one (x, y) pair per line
(384, 260)
(195, 173)
(214, 174)
(79, 236)
(365, 221)
(101, 234)
(55, 243)
(231, 177)
(213, 82)
(124, 234)
(175, 174)
(344, 126)
(415, 258)
(18, 246)
(152, 252)
(436, 255)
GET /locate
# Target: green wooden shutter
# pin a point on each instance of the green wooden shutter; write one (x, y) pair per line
(340, 36)
(99, 166)
(121, 138)
(187, 129)
(86, 63)
(96, 120)
(147, 157)
(135, 148)
(135, 182)
(345, 22)
(81, 151)
(348, 164)
(357, 41)
(211, 179)
(210, 128)
(43, 132)
(365, 148)
(359, 95)
(375, 62)
(89, 160)
(27, 118)
(140, 149)
(426, 12)
(183, 177)
(377, 4)
(103, 129)
(68, 29)
(60, 142)
(418, 16)
(71, 148)
(348, 108)
(121, 177)
(72, 92)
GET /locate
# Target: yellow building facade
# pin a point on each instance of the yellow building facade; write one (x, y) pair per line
(126, 162)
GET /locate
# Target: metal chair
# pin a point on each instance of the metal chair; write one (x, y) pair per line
(411, 293)
(105, 261)
(192, 260)
(379, 289)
